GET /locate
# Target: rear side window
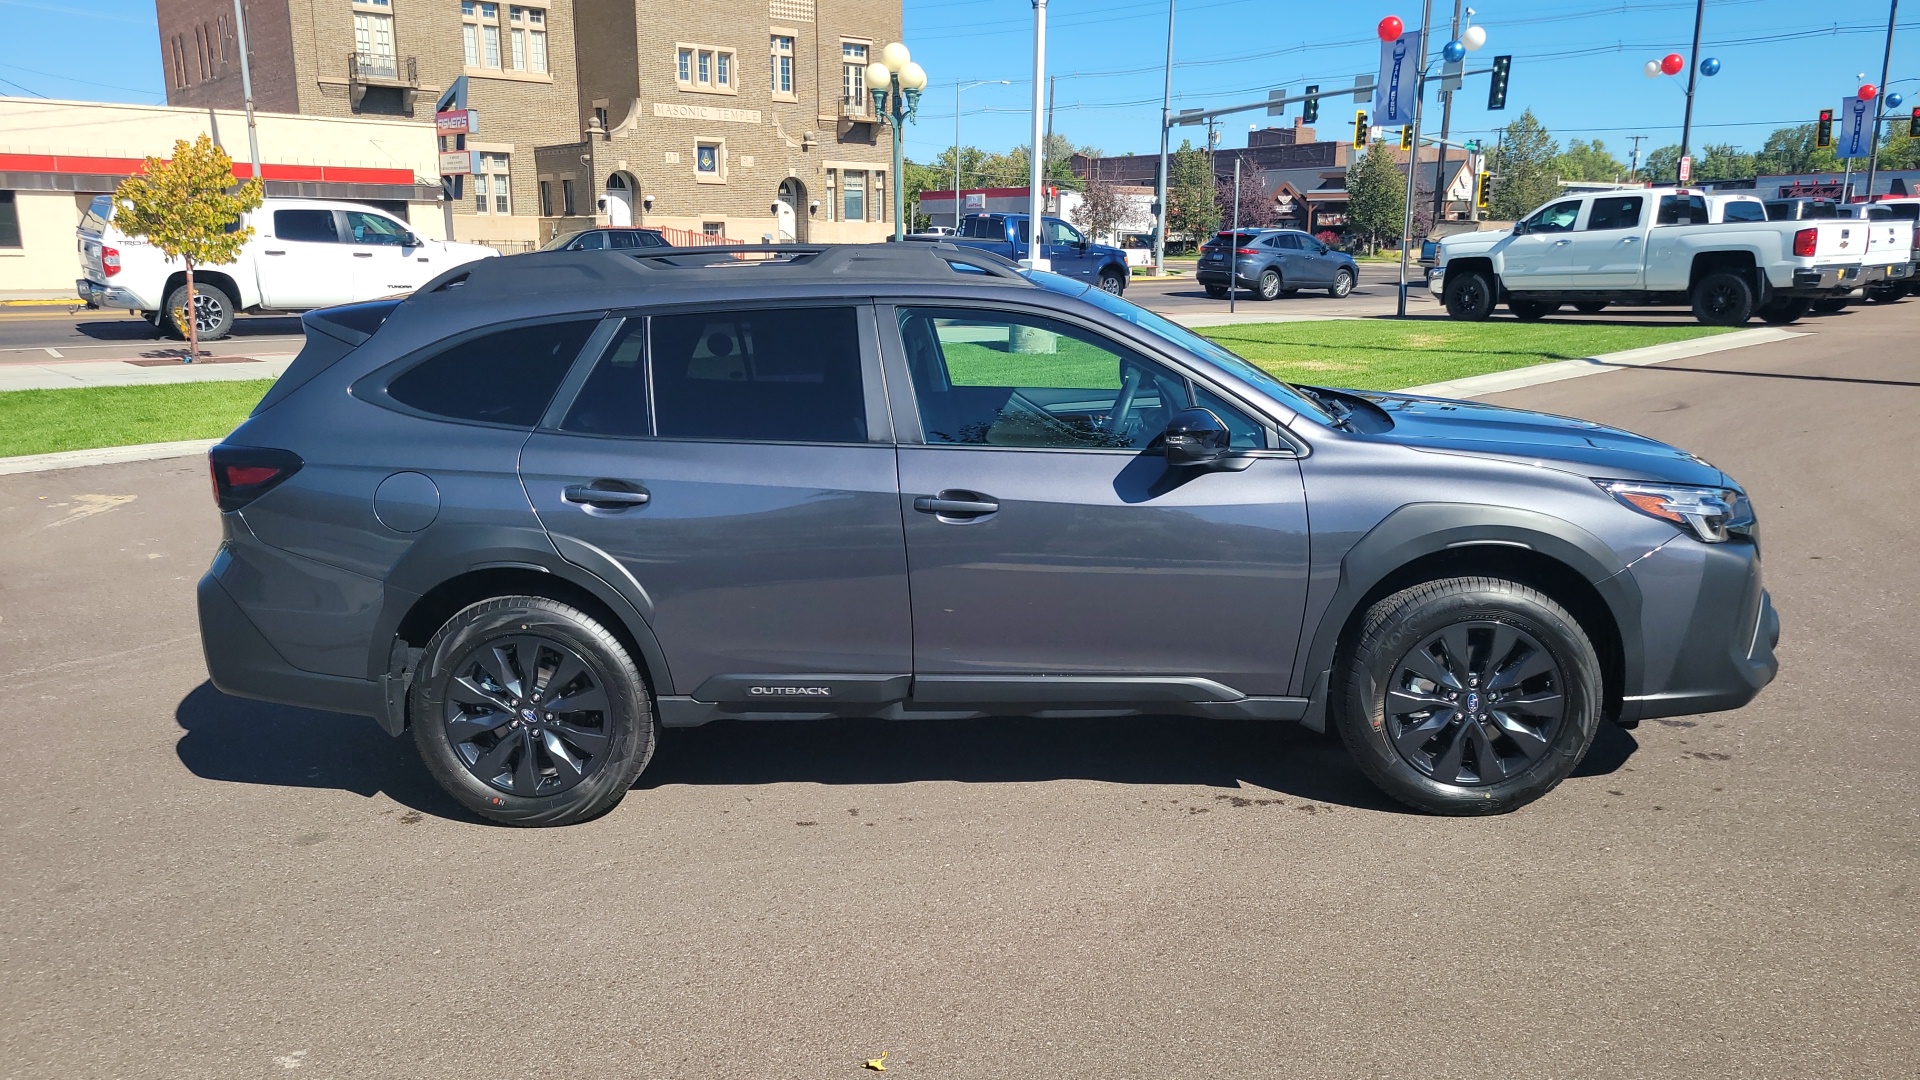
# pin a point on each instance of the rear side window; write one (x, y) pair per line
(775, 375)
(506, 377)
(312, 226)
(1619, 213)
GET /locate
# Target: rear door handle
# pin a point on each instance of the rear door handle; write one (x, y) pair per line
(605, 498)
(369, 254)
(956, 504)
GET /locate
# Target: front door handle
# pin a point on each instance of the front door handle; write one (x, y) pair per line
(1629, 239)
(956, 504)
(605, 498)
(1561, 243)
(270, 252)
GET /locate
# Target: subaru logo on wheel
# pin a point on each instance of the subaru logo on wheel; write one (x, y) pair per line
(1473, 702)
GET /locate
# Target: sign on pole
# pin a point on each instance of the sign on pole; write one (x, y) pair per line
(1686, 169)
(458, 162)
(1856, 116)
(457, 122)
(1279, 106)
(1398, 86)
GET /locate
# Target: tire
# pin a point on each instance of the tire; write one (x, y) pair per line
(1112, 281)
(214, 305)
(1342, 284)
(1723, 298)
(1218, 292)
(1885, 293)
(1590, 307)
(1530, 310)
(1785, 310)
(612, 744)
(1831, 304)
(1469, 297)
(1437, 759)
(1268, 287)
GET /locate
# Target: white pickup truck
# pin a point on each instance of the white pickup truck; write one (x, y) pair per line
(1650, 246)
(304, 254)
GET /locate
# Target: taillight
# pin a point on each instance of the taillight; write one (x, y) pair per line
(242, 474)
(109, 261)
(1804, 241)
(1245, 251)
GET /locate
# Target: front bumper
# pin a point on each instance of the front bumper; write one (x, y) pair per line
(97, 295)
(1708, 630)
(1436, 280)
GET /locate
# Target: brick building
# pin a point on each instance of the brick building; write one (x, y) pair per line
(392, 58)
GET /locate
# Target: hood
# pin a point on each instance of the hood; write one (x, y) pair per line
(1471, 242)
(1533, 438)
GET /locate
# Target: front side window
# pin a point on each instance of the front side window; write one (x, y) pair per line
(309, 226)
(990, 378)
(775, 375)
(505, 377)
(369, 228)
(1556, 218)
(1614, 213)
(1062, 234)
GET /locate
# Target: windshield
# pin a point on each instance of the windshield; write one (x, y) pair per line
(1283, 392)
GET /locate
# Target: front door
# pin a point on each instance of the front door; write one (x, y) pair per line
(736, 464)
(1069, 250)
(1046, 535)
(384, 264)
(304, 264)
(1607, 251)
(1539, 257)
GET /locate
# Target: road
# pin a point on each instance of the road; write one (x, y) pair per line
(200, 886)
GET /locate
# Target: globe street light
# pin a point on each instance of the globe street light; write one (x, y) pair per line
(896, 81)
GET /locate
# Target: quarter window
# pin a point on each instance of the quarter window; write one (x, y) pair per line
(985, 378)
(1614, 213)
(506, 377)
(777, 375)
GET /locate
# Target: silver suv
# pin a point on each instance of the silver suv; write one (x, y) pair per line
(555, 501)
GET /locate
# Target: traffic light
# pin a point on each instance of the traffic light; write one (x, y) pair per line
(1913, 125)
(1406, 137)
(1823, 134)
(1359, 129)
(1484, 193)
(1310, 111)
(1497, 91)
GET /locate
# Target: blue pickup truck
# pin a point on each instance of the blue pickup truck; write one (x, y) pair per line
(1071, 254)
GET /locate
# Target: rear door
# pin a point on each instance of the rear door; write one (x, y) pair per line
(736, 463)
(302, 260)
(1608, 250)
(1309, 264)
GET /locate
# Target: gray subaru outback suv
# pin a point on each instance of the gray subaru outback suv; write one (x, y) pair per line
(551, 503)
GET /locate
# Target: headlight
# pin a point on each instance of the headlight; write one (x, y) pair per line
(1711, 514)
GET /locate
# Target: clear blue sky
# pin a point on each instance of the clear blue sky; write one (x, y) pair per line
(1576, 62)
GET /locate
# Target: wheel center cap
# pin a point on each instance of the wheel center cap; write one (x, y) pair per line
(1473, 701)
(529, 716)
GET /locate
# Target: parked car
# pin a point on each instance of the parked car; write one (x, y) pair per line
(1801, 209)
(532, 524)
(937, 230)
(304, 254)
(1725, 208)
(1650, 247)
(1071, 255)
(1894, 240)
(611, 236)
(1272, 263)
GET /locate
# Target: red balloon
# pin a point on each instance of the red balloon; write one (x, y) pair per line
(1673, 64)
(1391, 28)
(1867, 90)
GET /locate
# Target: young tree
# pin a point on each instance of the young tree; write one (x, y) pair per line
(1191, 208)
(1101, 209)
(1256, 207)
(1376, 196)
(189, 207)
(1589, 161)
(1523, 168)
(1662, 165)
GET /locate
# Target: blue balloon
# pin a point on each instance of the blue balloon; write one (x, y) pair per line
(1710, 67)
(1893, 101)
(1454, 52)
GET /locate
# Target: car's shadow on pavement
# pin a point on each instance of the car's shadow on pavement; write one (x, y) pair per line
(132, 328)
(250, 742)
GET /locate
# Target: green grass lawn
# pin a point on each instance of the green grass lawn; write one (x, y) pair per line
(1387, 354)
(45, 421)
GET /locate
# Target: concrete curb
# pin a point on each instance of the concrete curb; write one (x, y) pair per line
(105, 455)
(69, 374)
(1495, 382)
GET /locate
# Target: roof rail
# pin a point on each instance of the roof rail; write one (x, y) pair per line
(833, 258)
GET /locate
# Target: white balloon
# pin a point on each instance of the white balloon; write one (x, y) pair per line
(1652, 69)
(1473, 37)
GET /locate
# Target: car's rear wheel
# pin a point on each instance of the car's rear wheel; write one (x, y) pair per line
(212, 310)
(1268, 287)
(1784, 310)
(1885, 292)
(1723, 298)
(1469, 695)
(1342, 284)
(1530, 310)
(1469, 296)
(1590, 307)
(1830, 304)
(1218, 292)
(1112, 281)
(530, 712)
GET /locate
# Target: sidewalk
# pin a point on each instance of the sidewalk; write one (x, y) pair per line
(68, 374)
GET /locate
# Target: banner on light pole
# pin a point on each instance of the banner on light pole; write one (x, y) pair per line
(1398, 87)
(1856, 120)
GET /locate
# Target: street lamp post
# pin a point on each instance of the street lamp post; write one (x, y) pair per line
(895, 82)
(957, 88)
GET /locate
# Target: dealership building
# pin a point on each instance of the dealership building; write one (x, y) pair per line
(56, 156)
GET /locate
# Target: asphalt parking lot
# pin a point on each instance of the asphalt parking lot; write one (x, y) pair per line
(195, 885)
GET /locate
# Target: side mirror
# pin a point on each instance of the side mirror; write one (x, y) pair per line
(1196, 438)
(1519, 228)
(410, 240)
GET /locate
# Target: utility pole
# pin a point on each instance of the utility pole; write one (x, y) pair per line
(1053, 81)
(246, 87)
(1446, 126)
(1693, 76)
(1886, 63)
(1166, 129)
(1036, 200)
(1633, 166)
(1419, 100)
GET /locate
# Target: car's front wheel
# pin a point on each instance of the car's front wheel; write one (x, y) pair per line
(1469, 695)
(1469, 296)
(530, 712)
(1342, 284)
(1112, 281)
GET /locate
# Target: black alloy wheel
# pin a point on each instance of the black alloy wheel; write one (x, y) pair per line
(527, 715)
(1475, 703)
(1268, 287)
(1531, 310)
(1723, 298)
(1469, 296)
(1827, 305)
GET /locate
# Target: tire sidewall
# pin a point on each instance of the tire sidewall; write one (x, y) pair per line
(1269, 284)
(631, 718)
(1738, 314)
(1118, 284)
(177, 299)
(1342, 284)
(1457, 297)
(1413, 616)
